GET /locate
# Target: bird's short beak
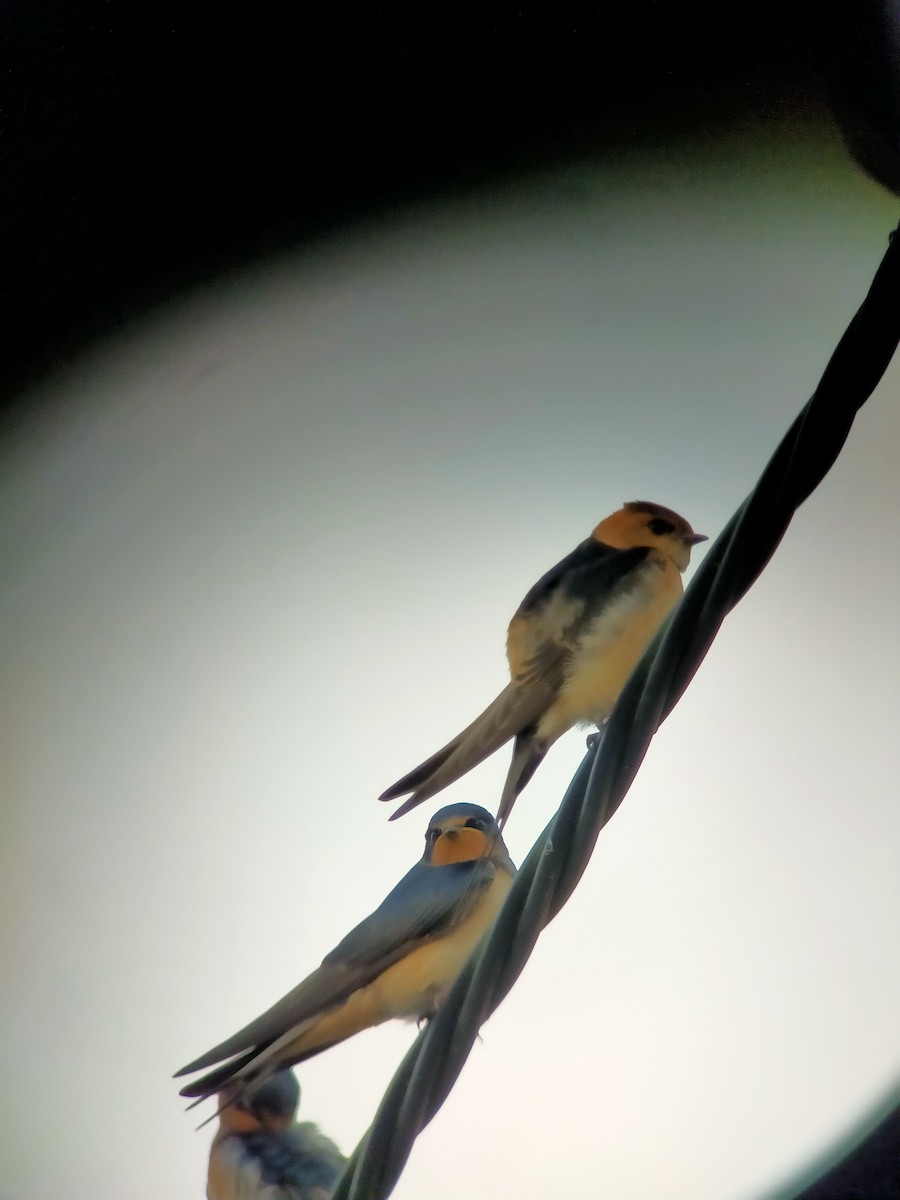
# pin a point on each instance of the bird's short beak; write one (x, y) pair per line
(694, 539)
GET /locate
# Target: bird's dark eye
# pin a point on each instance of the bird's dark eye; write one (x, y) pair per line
(659, 526)
(475, 823)
(434, 834)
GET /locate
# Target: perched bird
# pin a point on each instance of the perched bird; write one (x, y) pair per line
(571, 645)
(398, 962)
(260, 1153)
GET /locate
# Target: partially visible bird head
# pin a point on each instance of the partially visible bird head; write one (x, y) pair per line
(271, 1104)
(643, 523)
(461, 832)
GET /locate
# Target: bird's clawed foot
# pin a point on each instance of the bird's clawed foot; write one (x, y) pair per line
(594, 739)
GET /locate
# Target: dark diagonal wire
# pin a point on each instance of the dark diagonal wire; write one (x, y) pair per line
(558, 859)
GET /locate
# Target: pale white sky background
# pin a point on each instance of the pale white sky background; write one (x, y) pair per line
(260, 553)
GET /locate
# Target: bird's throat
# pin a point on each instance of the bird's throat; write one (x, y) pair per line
(459, 845)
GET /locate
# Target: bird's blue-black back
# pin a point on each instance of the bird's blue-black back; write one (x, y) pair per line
(292, 1159)
(592, 570)
(427, 902)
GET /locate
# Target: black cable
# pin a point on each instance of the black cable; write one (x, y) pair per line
(558, 859)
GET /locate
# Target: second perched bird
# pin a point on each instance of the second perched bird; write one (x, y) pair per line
(571, 645)
(261, 1153)
(399, 962)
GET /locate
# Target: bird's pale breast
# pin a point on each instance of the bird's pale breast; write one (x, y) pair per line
(609, 648)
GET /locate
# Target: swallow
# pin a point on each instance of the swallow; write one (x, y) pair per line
(399, 962)
(571, 645)
(260, 1152)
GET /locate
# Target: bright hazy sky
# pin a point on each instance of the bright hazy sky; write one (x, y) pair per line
(259, 556)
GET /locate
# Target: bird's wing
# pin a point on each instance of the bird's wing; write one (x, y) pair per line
(425, 904)
(266, 1165)
(547, 624)
(590, 570)
(311, 1141)
(290, 1164)
(585, 553)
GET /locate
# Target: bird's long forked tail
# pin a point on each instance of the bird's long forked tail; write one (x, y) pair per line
(515, 709)
(234, 1072)
(528, 754)
(325, 1008)
(214, 1081)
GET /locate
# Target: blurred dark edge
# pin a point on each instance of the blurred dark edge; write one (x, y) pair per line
(148, 146)
(862, 1165)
